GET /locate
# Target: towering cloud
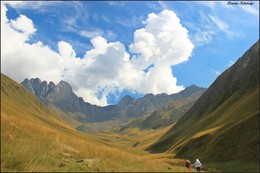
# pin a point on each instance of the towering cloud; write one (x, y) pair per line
(163, 42)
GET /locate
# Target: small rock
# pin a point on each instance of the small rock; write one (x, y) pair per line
(80, 160)
(66, 154)
(66, 160)
(15, 126)
(136, 144)
(90, 162)
(11, 136)
(69, 148)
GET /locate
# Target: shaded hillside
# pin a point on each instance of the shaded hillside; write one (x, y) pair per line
(223, 125)
(61, 96)
(166, 115)
(34, 140)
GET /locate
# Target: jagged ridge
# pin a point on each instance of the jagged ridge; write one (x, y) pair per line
(62, 96)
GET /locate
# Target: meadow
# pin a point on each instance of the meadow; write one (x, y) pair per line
(34, 139)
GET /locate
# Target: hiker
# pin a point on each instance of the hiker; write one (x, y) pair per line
(187, 164)
(197, 165)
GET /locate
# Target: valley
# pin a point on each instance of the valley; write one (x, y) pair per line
(48, 128)
(34, 139)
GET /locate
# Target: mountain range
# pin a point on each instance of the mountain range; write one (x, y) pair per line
(166, 115)
(62, 97)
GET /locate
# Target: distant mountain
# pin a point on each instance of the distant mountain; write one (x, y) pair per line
(38, 88)
(149, 103)
(62, 97)
(169, 113)
(223, 124)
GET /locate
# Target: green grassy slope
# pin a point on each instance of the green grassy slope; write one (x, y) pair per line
(233, 135)
(223, 125)
(33, 139)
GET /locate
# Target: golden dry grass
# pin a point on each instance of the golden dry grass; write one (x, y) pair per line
(33, 140)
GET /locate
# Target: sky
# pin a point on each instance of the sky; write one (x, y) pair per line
(108, 49)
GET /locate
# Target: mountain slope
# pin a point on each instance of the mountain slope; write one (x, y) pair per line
(166, 115)
(223, 125)
(62, 97)
(150, 103)
(33, 139)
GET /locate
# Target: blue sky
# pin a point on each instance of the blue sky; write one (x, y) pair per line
(107, 49)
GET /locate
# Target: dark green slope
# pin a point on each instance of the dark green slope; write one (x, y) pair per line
(223, 125)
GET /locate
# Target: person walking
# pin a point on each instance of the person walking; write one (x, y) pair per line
(197, 165)
(187, 164)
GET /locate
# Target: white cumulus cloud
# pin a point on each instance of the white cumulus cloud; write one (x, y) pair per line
(66, 50)
(23, 24)
(20, 59)
(163, 42)
(107, 67)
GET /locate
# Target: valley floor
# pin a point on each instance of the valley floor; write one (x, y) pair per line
(29, 144)
(23, 148)
(135, 141)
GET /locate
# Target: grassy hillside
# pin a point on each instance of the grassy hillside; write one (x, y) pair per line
(34, 139)
(232, 136)
(223, 125)
(65, 118)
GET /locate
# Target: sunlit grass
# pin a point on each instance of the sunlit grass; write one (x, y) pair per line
(32, 139)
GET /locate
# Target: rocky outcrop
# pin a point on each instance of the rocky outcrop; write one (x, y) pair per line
(38, 88)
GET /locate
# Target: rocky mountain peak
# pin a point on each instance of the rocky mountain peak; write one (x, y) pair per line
(127, 100)
(51, 85)
(60, 91)
(193, 88)
(35, 81)
(149, 96)
(189, 91)
(64, 86)
(27, 84)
